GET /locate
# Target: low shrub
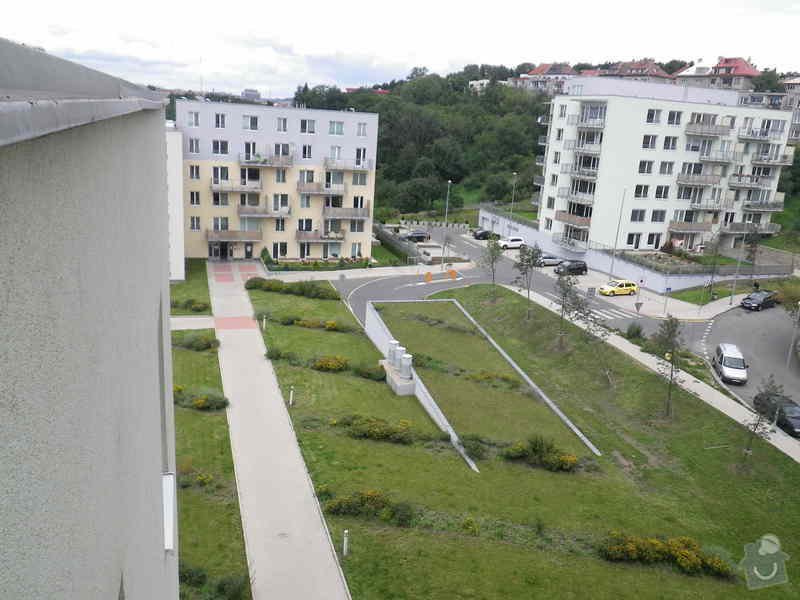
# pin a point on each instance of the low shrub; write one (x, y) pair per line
(254, 283)
(470, 525)
(376, 373)
(200, 307)
(289, 319)
(323, 492)
(198, 341)
(494, 379)
(272, 285)
(716, 566)
(203, 479)
(400, 514)
(331, 325)
(331, 364)
(275, 353)
(309, 289)
(539, 451)
(359, 504)
(232, 587)
(191, 576)
(474, 445)
(372, 428)
(199, 398)
(634, 331)
(188, 303)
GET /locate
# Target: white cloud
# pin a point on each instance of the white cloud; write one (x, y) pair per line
(274, 46)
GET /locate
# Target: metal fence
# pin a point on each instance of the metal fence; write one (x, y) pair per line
(394, 243)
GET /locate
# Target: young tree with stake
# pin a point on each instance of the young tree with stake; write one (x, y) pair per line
(489, 259)
(668, 344)
(526, 265)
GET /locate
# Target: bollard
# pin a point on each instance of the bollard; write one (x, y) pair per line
(346, 543)
(291, 395)
(398, 355)
(392, 351)
(405, 366)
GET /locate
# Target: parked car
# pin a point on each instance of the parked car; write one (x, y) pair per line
(484, 234)
(788, 413)
(511, 243)
(619, 287)
(549, 260)
(572, 267)
(729, 364)
(758, 300)
(417, 236)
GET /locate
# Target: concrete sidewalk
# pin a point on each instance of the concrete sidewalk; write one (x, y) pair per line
(181, 323)
(739, 413)
(289, 550)
(363, 273)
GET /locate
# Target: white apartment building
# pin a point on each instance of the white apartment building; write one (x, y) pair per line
(299, 183)
(631, 165)
(175, 201)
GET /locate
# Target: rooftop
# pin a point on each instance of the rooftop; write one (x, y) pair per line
(553, 69)
(264, 107)
(724, 66)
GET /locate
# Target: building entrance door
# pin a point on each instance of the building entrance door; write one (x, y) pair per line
(248, 250)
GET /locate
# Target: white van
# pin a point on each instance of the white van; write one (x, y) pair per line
(729, 364)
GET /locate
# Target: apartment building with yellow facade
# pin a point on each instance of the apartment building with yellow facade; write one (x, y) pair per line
(297, 182)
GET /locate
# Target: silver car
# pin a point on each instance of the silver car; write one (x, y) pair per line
(730, 364)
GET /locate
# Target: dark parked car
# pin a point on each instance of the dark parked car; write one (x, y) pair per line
(759, 300)
(788, 414)
(484, 234)
(417, 236)
(549, 260)
(572, 267)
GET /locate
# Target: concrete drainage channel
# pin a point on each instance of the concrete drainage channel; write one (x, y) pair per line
(379, 334)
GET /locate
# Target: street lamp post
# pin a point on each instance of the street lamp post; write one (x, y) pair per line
(513, 194)
(444, 233)
(794, 337)
(616, 236)
(736, 276)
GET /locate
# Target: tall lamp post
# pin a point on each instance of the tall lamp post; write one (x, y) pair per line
(513, 194)
(444, 233)
(794, 336)
(616, 235)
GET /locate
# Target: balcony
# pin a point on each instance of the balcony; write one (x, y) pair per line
(536, 199)
(692, 179)
(583, 148)
(543, 140)
(683, 227)
(765, 228)
(708, 130)
(748, 133)
(543, 120)
(586, 199)
(721, 156)
(777, 160)
(540, 160)
(763, 206)
(233, 235)
(579, 171)
(794, 136)
(574, 220)
(319, 236)
(342, 164)
(570, 243)
(317, 187)
(538, 180)
(346, 212)
(235, 186)
(264, 212)
(754, 182)
(266, 160)
(712, 206)
(585, 122)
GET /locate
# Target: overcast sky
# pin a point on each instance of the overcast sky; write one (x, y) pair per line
(274, 45)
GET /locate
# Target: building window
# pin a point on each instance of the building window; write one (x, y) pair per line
(280, 224)
(548, 224)
(220, 199)
(248, 199)
(280, 201)
(641, 191)
(193, 119)
(306, 176)
(308, 126)
(556, 157)
(637, 215)
(219, 147)
(658, 216)
(250, 123)
(562, 111)
(219, 120)
(220, 223)
(631, 239)
(674, 117)
(281, 125)
(359, 179)
(666, 167)
(355, 250)
(336, 127)
(336, 152)
(559, 134)
(305, 201)
(194, 223)
(281, 149)
(551, 202)
(280, 175)
(361, 130)
(553, 180)
(670, 142)
(194, 145)
(194, 171)
(306, 150)
(662, 192)
(649, 141)
(194, 198)
(304, 225)
(653, 116)
(219, 174)
(356, 226)
(645, 167)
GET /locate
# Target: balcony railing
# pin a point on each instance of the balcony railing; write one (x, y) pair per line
(763, 206)
(346, 212)
(265, 212)
(317, 187)
(579, 171)
(566, 241)
(540, 160)
(319, 236)
(720, 156)
(538, 180)
(692, 179)
(342, 164)
(785, 159)
(565, 192)
(233, 235)
(766, 228)
(543, 140)
(707, 129)
(683, 227)
(543, 120)
(749, 133)
(586, 122)
(750, 181)
(235, 186)
(266, 160)
(536, 199)
(711, 205)
(574, 220)
(583, 148)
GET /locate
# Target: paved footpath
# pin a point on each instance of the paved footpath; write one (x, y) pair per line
(289, 551)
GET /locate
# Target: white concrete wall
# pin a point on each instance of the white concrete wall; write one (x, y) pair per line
(175, 203)
(85, 370)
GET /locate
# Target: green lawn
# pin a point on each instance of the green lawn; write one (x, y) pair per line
(711, 260)
(387, 258)
(195, 287)
(789, 216)
(210, 526)
(724, 289)
(536, 529)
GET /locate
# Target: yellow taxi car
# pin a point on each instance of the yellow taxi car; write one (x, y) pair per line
(619, 287)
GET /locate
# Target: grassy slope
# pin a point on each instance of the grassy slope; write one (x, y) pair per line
(670, 484)
(790, 214)
(195, 287)
(210, 527)
(385, 257)
(724, 289)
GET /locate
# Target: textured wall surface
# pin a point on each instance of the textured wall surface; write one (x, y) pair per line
(87, 424)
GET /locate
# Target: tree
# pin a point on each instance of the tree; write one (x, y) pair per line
(417, 72)
(667, 345)
(582, 66)
(770, 398)
(712, 249)
(751, 242)
(489, 259)
(595, 332)
(570, 302)
(498, 187)
(674, 65)
(757, 428)
(768, 81)
(527, 263)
